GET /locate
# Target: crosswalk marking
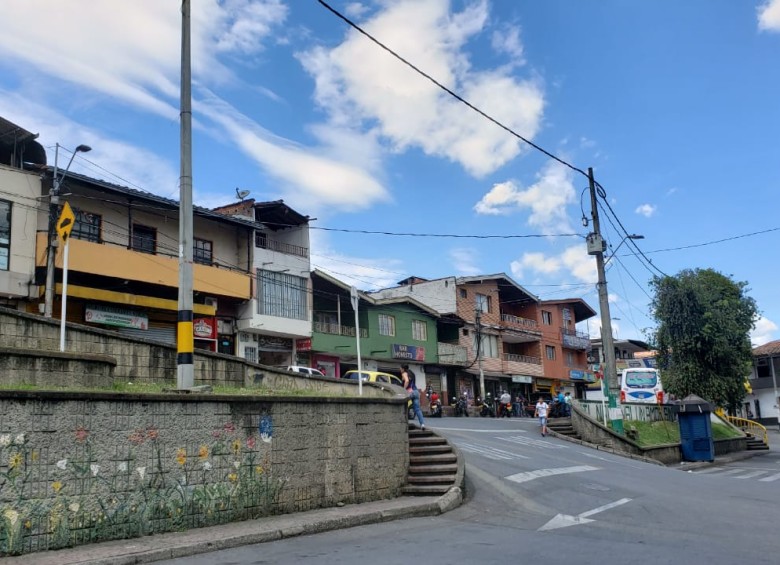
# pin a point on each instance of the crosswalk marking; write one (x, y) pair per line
(750, 475)
(770, 478)
(531, 475)
(490, 452)
(525, 440)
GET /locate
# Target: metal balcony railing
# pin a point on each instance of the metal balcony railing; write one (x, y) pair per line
(514, 358)
(519, 322)
(264, 242)
(336, 329)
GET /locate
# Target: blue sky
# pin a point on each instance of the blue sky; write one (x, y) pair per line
(673, 104)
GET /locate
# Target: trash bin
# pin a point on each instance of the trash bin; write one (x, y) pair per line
(695, 429)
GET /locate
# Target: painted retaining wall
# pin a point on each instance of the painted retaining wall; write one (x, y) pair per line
(77, 468)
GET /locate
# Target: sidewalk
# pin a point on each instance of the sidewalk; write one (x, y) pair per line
(202, 540)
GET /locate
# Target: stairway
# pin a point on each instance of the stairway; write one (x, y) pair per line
(562, 426)
(755, 444)
(433, 465)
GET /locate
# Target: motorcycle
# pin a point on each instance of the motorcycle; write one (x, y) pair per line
(506, 409)
(436, 411)
(486, 408)
(461, 406)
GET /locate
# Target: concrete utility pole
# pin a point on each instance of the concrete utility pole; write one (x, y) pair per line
(185, 370)
(597, 246)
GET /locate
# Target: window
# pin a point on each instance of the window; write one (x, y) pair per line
(250, 354)
(463, 293)
(546, 318)
(87, 226)
(386, 325)
(419, 330)
(570, 359)
(282, 295)
(489, 346)
(144, 239)
(5, 234)
(202, 251)
(550, 352)
(483, 302)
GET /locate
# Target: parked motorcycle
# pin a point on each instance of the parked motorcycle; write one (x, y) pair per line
(461, 406)
(486, 408)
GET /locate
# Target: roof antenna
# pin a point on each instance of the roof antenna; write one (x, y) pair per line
(242, 194)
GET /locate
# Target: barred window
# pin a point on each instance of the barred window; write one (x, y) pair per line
(281, 295)
(386, 325)
(5, 234)
(144, 239)
(87, 226)
(250, 354)
(202, 251)
(419, 330)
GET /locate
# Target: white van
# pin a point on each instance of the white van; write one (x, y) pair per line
(308, 371)
(640, 384)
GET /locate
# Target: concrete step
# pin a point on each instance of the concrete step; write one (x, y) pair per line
(427, 440)
(425, 490)
(436, 459)
(430, 449)
(757, 446)
(431, 479)
(447, 468)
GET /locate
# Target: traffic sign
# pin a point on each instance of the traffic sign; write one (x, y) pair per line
(65, 222)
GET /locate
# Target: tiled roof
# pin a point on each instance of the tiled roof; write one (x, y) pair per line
(771, 348)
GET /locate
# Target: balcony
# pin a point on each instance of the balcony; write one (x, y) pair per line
(264, 242)
(515, 329)
(522, 365)
(450, 354)
(574, 339)
(119, 262)
(336, 329)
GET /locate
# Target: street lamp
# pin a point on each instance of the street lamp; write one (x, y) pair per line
(622, 241)
(54, 202)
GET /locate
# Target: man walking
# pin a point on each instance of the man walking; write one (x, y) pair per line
(541, 413)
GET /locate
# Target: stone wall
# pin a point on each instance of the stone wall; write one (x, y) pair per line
(77, 468)
(55, 368)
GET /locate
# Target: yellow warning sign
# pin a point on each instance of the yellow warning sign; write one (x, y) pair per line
(65, 222)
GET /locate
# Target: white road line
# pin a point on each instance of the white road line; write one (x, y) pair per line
(531, 475)
(724, 473)
(709, 470)
(490, 452)
(770, 478)
(750, 475)
(532, 442)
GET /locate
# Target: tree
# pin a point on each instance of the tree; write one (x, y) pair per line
(702, 336)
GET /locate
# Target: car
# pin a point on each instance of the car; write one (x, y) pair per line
(308, 371)
(373, 377)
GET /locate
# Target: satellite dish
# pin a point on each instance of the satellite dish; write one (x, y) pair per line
(242, 193)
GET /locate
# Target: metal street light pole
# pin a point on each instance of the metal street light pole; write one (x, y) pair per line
(54, 203)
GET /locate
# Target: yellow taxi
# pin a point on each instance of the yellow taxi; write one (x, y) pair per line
(374, 377)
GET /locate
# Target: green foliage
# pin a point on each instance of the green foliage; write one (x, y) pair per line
(702, 337)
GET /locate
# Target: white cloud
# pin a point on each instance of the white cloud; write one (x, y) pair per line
(574, 260)
(358, 82)
(763, 332)
(546, 198)
(507, 40)
(769, 16)
(355, 9)
(646, 210)
(612, 298)
(464, 260)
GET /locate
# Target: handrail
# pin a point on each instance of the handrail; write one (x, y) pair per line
(749, 426)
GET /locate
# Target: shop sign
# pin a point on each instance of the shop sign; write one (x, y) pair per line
(116, 317)
(412, 352)
(577, 375)
(544, 382)
(303, 344)
(522, 379)
(204, 328)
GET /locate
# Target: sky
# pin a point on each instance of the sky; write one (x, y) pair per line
(674, 105)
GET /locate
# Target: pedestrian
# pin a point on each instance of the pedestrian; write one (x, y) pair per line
(567, 400)
(541, 413)
(517, 407)
(410, 384)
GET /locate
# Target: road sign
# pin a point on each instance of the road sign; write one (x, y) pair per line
(65, 222)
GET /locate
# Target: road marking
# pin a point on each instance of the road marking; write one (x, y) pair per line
(770, 478)
(532, 442)
(564, 520)
(750, 475)
(719, 470)
(490, 452)
(531, 475)
(729, 472)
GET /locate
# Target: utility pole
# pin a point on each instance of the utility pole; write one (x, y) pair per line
(185, 370)
(597, 246)
(478, 319)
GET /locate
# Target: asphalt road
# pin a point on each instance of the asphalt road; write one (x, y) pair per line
(533, 499)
